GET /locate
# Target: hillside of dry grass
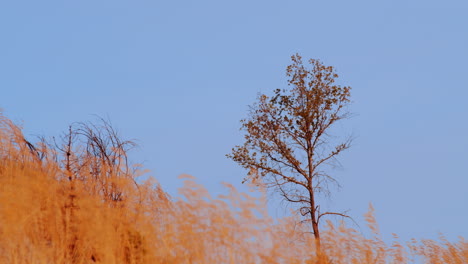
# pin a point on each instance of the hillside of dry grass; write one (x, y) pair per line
(78, 200)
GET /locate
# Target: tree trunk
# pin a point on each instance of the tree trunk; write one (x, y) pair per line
(315, 227)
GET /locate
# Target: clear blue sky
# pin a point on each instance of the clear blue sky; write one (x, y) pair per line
(179, 75)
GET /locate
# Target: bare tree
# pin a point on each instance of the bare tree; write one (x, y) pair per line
(287, 142)
(94, 157)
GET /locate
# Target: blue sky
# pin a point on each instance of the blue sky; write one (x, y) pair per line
(177, 76)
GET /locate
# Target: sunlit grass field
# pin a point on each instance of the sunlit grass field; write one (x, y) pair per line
(78, 200)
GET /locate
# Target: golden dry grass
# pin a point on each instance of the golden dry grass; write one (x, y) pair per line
(47, 218)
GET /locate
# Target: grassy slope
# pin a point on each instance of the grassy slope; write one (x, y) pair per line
(88, 210)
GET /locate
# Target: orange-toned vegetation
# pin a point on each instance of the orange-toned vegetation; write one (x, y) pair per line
(78, 201)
